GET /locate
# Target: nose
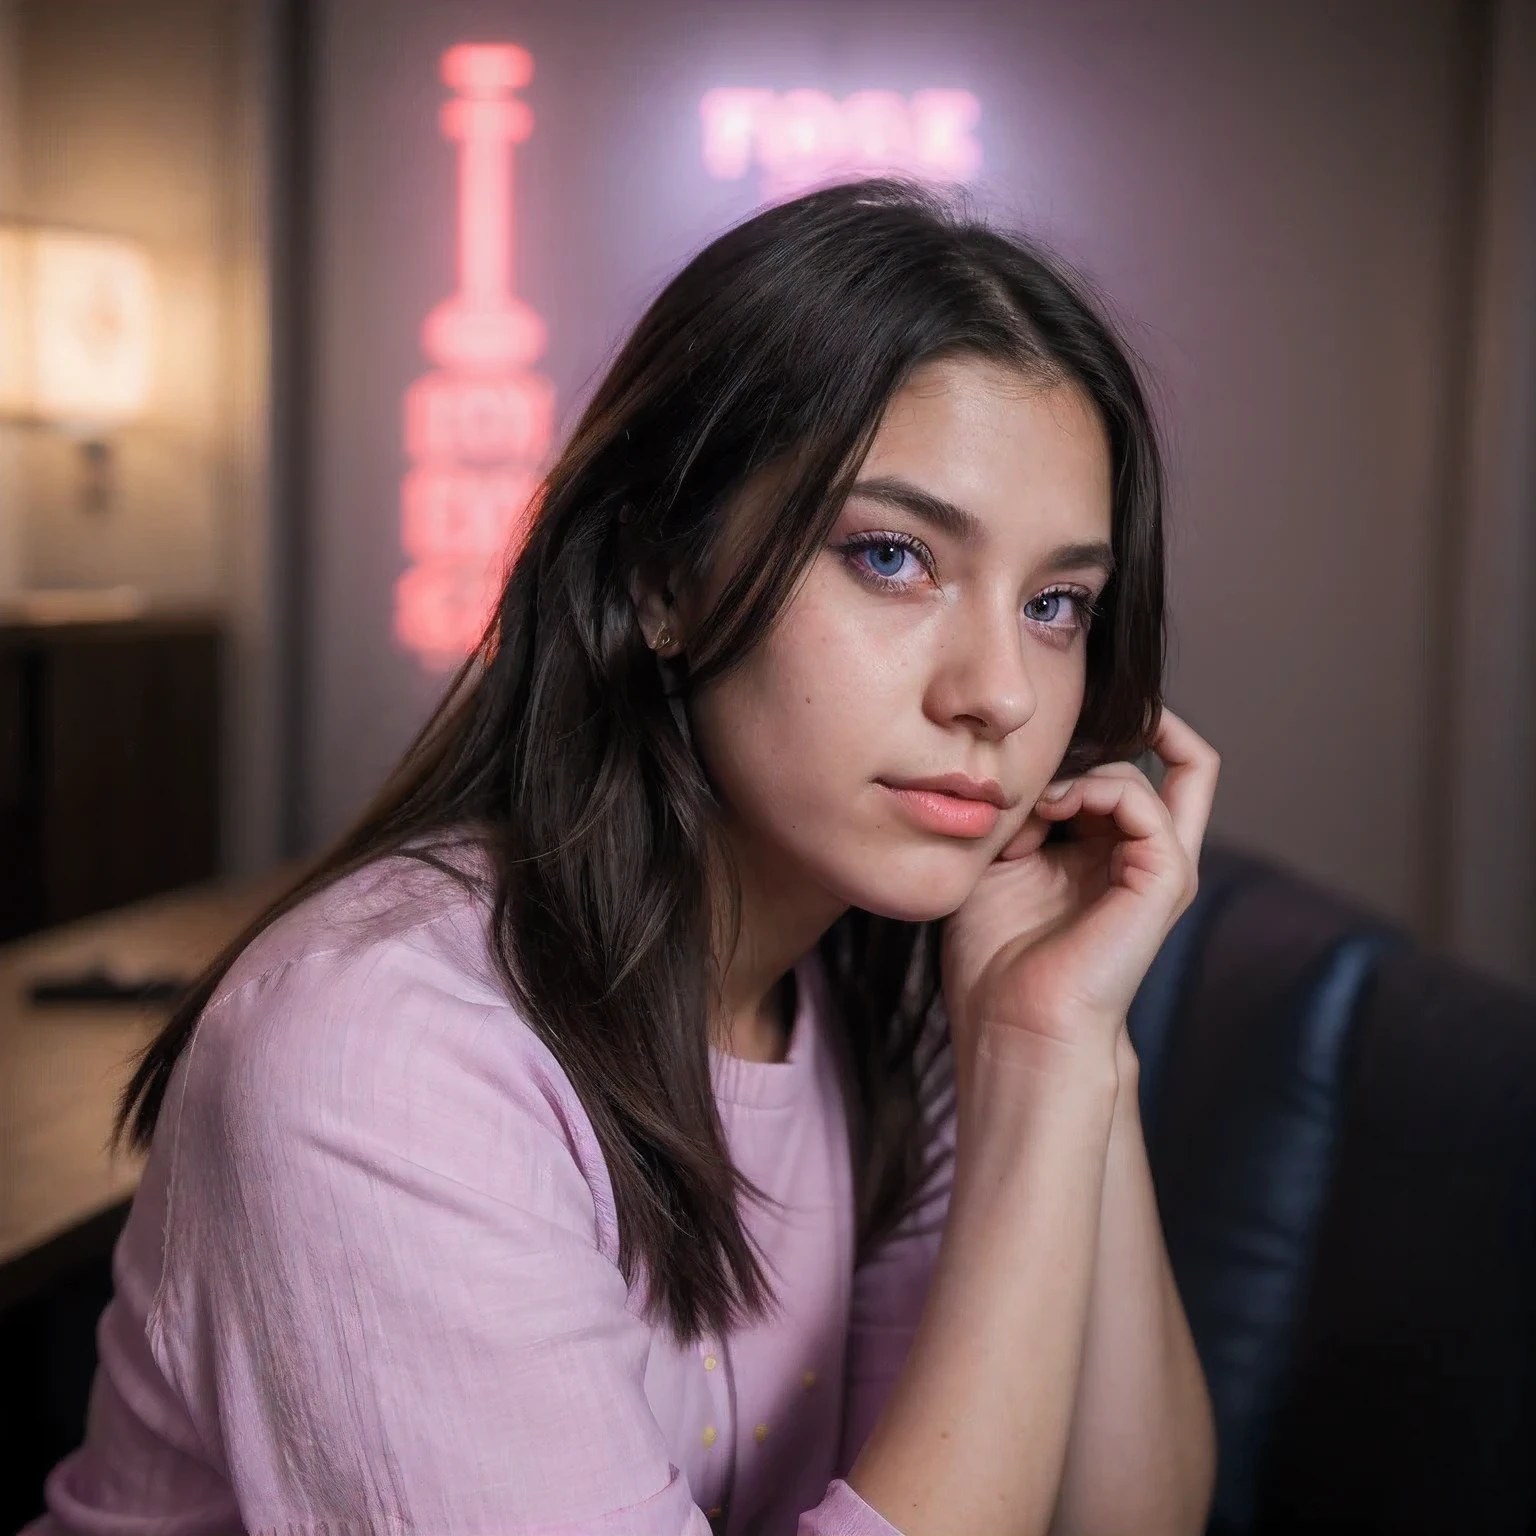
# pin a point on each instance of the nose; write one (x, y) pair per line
(982, 678)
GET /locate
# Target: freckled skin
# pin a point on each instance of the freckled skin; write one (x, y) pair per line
(944, 676)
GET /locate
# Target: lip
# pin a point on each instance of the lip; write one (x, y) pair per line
(947, 814)
(959, 786)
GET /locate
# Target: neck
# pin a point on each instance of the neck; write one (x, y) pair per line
(782, 916)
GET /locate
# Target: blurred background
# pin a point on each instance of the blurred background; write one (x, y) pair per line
(1314, 221)
(296, 296)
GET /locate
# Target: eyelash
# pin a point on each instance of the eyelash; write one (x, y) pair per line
(1087, 610)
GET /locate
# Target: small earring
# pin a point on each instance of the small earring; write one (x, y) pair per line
(663, 638)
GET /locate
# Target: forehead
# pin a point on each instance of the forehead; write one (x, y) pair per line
(1022, 453)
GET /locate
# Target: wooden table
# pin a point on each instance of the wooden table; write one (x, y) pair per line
(63, 1192)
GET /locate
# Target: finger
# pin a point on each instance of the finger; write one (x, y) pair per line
(1033, 832)
(1123, 771)
(1126, 800)
(1189, 786)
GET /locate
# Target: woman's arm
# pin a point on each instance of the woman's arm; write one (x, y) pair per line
(1141, 1457)
(891, 1283)
(974, 1435)
(1040, 965)
(1140, 1450)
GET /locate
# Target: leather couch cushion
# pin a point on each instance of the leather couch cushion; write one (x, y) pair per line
(1248, 1024)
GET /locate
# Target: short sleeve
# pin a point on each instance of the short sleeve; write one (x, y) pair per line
(391, 1299)
(890, 1284)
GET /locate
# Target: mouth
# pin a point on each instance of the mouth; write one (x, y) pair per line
(957, 786)
(946, 812)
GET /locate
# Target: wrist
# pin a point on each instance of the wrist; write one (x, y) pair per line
(1013, 1074)
(1025, 1109)
(1127, 1063)
(1084, 1052)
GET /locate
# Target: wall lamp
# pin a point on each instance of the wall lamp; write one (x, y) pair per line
(77, 334)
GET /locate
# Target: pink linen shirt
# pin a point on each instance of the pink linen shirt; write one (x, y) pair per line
(370, 1280)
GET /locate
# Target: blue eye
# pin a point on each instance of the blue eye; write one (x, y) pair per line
(1048, 609)
(879, 559)
(885, 559)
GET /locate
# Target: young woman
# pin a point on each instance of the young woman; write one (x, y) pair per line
(697, 1093)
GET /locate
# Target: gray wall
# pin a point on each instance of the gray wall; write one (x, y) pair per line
(1279, 198)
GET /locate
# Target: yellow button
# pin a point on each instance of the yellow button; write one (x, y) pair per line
(709, 1435)
(715, 1513)
(760, 1433)
(710, 1362)
(808, 1380)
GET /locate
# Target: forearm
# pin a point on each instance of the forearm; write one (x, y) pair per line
(1141, 1455)
(974, 1435)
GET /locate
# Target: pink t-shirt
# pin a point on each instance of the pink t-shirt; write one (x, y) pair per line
(370, 1280)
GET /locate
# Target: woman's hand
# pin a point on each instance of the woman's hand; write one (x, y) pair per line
(1056, 938)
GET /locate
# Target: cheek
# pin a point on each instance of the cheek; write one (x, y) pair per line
(801, 723)
(1069, 689)
(1061, 689)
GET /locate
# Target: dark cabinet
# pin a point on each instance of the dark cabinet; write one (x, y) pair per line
(109, 764)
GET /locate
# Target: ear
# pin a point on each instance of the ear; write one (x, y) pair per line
(654, 607)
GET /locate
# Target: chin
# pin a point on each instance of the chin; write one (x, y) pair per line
(915, 885)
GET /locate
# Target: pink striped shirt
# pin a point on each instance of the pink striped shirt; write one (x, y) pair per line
(370, 1281)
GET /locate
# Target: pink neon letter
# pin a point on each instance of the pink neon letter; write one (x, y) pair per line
(483, 325)
(730, 119)
(800, 138)
(942, 123)
(478, 425)
(878, 129)
(804, 137)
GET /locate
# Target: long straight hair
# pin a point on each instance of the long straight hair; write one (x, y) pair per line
(556, 751)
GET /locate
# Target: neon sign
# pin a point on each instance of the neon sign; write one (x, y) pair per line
(798, 139)
(479, 423)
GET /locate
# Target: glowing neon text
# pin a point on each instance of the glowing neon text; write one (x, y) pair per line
(800, 138)
(478, 425)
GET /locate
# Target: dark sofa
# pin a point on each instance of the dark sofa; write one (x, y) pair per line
(1342, 1129)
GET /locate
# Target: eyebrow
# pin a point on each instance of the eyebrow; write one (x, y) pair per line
(966, 528)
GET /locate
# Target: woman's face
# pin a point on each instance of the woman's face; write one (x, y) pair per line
(940, 631)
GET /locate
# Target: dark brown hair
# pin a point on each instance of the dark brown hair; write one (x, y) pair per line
(556, 748)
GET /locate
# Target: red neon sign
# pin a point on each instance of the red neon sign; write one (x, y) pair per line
(478, 424)
(800, 138)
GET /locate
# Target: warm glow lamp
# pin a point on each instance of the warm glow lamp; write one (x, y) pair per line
(77, 317)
